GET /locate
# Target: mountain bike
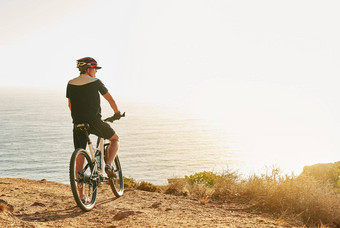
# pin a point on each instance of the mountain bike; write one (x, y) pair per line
(87, 170)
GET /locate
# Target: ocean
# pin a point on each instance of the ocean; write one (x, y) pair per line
(156, 142)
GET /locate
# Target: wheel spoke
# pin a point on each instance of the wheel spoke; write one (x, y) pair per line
(117, 184)
(83, 183)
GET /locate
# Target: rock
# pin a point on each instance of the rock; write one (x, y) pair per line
(5, 206)
(38, 204)
(156, 205)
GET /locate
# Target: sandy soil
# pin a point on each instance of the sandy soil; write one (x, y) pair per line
(49, 204)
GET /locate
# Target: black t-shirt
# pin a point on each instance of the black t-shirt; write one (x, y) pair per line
(85, 99)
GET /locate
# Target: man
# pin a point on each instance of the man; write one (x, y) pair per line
(84, 103)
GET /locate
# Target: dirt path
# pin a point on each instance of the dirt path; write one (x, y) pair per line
(50, 204)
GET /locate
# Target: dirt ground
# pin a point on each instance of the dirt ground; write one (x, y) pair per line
(49, 204)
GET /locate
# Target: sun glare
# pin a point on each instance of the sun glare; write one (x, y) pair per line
(273, 124)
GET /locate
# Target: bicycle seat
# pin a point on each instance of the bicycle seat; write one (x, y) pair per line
(83, 126)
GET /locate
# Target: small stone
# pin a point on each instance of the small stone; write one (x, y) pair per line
(123, 214)
(5, 206)
(156, 205)
(38, 204)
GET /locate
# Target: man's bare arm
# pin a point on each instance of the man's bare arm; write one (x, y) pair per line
(69, 103)
(112, 102)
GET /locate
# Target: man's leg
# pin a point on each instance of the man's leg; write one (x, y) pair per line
(79, 166)
(104, 130)
(112, 149)
(79, 140)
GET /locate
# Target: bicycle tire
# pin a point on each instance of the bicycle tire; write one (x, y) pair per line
(117, 184)
(83, 181)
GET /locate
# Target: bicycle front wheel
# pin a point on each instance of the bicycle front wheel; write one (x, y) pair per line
(83, 182)
(117, 184)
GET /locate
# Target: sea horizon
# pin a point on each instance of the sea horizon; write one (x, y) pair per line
(36, 139)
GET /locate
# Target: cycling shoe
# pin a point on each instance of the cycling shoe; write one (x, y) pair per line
(110, 171)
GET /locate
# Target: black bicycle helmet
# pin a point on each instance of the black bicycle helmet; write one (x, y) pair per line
(87, 62)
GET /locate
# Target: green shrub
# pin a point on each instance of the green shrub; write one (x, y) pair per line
(206, 178)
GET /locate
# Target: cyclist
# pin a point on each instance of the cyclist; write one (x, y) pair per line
(84, 102)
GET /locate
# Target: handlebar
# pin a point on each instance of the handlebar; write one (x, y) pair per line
(116, 116)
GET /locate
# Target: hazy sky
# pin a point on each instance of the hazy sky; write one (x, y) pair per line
(266, 70)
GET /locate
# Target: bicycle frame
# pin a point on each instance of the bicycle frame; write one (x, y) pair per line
(101, 148)
(93, 150)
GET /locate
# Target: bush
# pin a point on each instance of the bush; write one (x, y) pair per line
(325, 172)
(178, 188)
(206, 178)
(312, 201)
(146, 186)
(226, 186)
(129, 182)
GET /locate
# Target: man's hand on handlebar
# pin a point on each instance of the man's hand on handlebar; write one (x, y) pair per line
(116, 116)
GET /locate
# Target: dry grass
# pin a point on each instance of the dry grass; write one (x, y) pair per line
(303, 198)
(146, 186)
(178, 188)
(129, 182)
(314, 202)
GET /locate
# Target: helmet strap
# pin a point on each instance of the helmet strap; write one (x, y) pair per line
(88, 72)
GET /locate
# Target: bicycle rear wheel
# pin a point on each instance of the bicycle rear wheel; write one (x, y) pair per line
(82, 179)
(117, 184)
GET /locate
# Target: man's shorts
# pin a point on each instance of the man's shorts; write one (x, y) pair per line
(97, 127)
